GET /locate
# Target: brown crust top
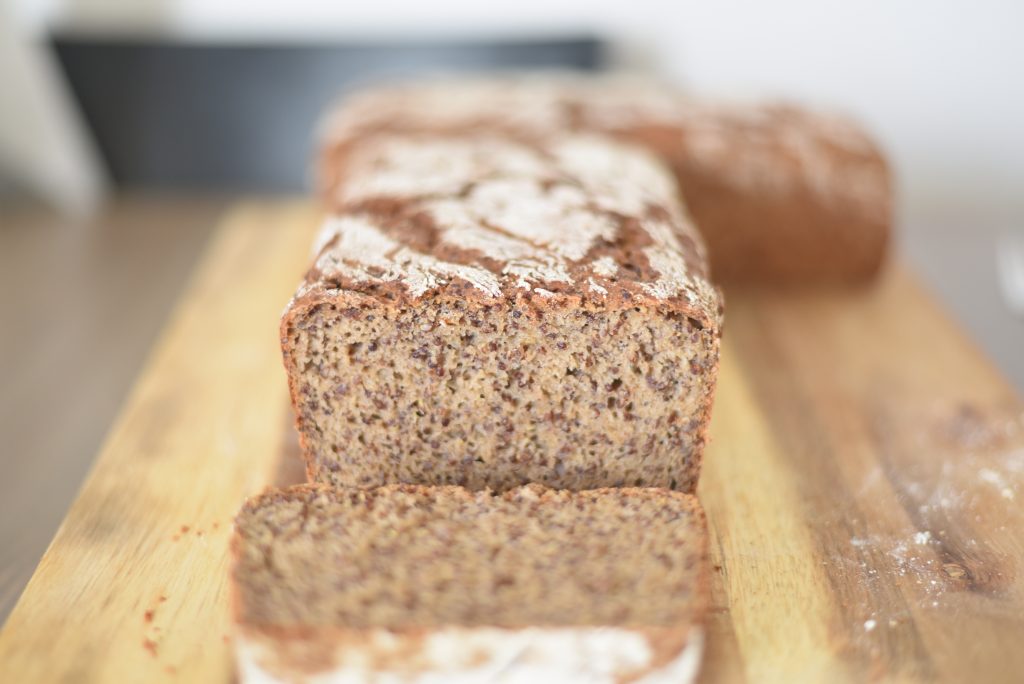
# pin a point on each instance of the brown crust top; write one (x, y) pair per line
(579, 219)
(774, 148)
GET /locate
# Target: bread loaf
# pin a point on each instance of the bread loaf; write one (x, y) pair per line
(780, 193)
(492, 313)
(439, 584)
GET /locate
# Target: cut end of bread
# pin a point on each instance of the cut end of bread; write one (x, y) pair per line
(499, 395)
(435, 583)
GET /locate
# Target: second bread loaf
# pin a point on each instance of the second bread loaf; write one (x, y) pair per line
(779, 193)
(489, 312)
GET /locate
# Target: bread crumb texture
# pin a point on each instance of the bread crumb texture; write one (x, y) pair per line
(492, 313)
(412, 581)
(416, 556)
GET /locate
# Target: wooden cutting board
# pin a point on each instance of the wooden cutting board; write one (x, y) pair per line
(864, 486)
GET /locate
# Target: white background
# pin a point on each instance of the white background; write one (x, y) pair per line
(941, 84)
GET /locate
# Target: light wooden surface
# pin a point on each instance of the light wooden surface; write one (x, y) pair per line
(133, 587)
(81, 303)
(863, 487)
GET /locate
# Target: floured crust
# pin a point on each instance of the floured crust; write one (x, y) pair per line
(290, 650)
(779, 192)
(526, 656)
(496, 218)
(768, 146)
(512, 104)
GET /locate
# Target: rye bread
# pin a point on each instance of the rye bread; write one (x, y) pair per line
(412, 583)
(491, 312)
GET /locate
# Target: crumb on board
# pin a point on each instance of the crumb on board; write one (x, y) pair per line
(954, 570)
(198, 531)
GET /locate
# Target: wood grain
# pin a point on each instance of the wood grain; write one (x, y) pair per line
(134, 585)
(82, 303)
(863, 487)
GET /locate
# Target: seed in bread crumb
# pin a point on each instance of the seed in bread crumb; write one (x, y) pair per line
(954, 570)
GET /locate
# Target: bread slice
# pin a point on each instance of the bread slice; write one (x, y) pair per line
(437, 584)
(779, 192)
(491, 312)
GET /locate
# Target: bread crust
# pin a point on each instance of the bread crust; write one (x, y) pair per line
(781, 194)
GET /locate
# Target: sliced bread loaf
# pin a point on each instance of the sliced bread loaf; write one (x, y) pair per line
(439, 584)
(491, 312)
